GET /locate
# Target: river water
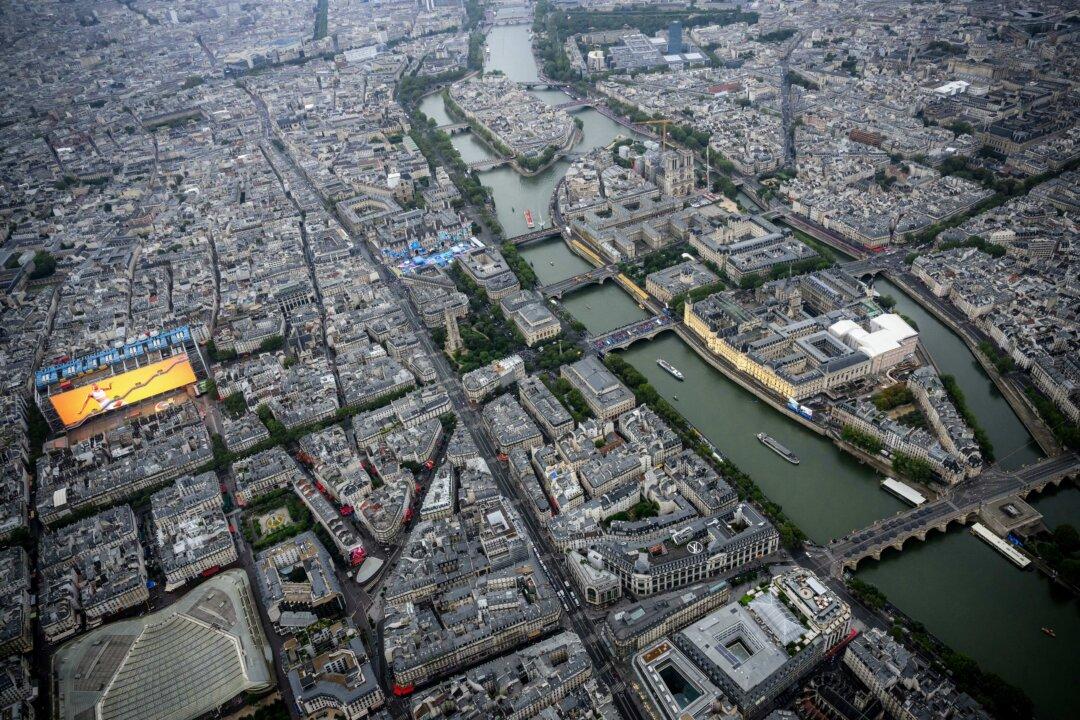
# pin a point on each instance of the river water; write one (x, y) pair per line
(963, 591)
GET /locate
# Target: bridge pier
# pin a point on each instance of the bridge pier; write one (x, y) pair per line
(960, 505)
(1055, 481)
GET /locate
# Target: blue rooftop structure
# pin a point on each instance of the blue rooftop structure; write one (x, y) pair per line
(89, 363)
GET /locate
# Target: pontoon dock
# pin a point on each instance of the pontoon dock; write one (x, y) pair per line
(1017, 557)
(902, 491)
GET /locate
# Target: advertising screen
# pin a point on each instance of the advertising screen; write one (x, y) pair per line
(75, 406)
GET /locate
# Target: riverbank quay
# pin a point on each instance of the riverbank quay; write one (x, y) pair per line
(765, 396)
(791, 536)
(993, 692)
(742, 381)
(930, 492)
(1010, 389)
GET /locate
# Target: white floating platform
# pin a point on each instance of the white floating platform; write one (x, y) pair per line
(904, 492)
(1015, 556)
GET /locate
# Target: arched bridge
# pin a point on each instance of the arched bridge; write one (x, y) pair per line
(960, 504)
(488, 164)
(625, 336)
(454, 128)
(535, 236)
(864, 268)
(596, 275)
(574, 104)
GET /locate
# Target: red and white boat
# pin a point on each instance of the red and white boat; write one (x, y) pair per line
(529, 219)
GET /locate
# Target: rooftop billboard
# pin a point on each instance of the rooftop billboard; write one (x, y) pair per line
(76, 406)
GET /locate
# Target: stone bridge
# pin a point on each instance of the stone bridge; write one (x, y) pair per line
(454, 128)
(627, 335)
(574, 104)
(864, 268)
(596, 275)
(961, 504)
(535, 236)
(488, 164)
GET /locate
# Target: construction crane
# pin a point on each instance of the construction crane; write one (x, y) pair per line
(663, 130)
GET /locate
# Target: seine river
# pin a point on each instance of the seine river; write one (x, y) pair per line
(963, 591)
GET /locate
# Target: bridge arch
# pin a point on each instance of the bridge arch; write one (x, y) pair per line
(626, 335)
(956, 507)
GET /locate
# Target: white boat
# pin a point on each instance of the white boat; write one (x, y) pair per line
(675, 372)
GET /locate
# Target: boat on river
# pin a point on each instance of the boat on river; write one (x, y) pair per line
(675, 372)
(529, 219)
(776, 447)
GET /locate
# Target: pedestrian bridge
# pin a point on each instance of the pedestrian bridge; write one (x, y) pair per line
(960, 504)
(627, 335)
(570, 284)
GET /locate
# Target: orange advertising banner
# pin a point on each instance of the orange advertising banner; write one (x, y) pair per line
(75, 406)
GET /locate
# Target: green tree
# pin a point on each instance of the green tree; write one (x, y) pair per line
(44, 265)
(860, 439)
(892, 397)
(235, 404)
(1067, 538)
(914, 468)
(272, 343)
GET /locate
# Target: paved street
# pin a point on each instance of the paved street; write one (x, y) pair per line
(608, 673)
